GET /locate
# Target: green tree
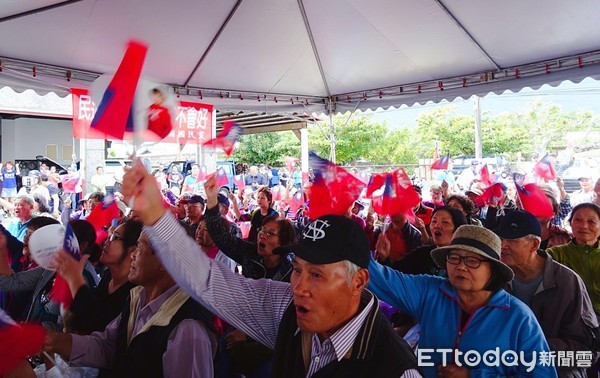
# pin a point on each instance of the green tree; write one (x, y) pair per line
(356, 137)
(268, 148)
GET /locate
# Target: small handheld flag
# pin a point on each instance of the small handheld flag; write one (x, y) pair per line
(60, 291)
(18, 341)
(545, 169)
(441, 163)
(227, 138)
(333, 190)
(115, 112)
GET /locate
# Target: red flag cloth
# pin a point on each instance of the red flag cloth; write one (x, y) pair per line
(202, 174)
(222, 179)
(115, 109)
(296, 202)
(60, 291)
(276, 191)
(545, 169)
(398, 197)
(490, 195)
(441, 163)
(102, 214)
(227, 138)
(334, 189)
(238, 180)
(376, 181)
(69, 183)
(290, 162)
(534, 200)
(484, 174)
(159, 120)
(18, 341)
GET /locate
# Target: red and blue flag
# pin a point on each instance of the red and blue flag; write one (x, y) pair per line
(114, 115)
(399, 195)
(227, 138)
(238, 181)
(534, 200)
(544, 168)
(441, 163)
(61, 292)
(17, 342)
(333, 190)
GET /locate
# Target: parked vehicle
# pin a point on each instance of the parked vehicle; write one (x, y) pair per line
(581, 167)
(497, 163)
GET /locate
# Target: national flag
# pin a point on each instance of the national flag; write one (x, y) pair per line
(238, 181)
(290, 162)
(277, 191)
(399, 195)
(492, 194)
(519, 178)
(227, 138)
(222, 179)
(202, 173)
(18, 341)
(534, 200)
(544, 168)
(69, 183)
(441, 163)
(296, 202)
(333, 190)
(376, 181)
(484, 175)
(115, 113)
(60, 292)
(102, 214)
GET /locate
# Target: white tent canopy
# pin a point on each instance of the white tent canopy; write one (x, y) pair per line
(303, 56)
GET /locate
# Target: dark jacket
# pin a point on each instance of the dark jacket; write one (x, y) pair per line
(92, 310)
(563, 308)
(243, 252)
(377, 350)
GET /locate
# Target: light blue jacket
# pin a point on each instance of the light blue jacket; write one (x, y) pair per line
(504, 323)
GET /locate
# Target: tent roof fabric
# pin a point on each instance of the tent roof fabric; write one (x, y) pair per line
(304, 56)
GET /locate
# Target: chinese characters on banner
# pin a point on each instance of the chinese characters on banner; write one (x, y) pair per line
(192, 122)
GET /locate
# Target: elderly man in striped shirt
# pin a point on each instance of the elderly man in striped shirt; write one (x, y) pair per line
(323, 323)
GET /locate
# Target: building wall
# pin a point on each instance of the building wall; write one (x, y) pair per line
(24, 138)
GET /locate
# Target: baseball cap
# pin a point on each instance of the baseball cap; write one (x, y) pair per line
(34, 173)
(517, 224)
(193, 199)
(330, 239)
(222, 199)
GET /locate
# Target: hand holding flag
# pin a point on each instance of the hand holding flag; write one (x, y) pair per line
(61, 292)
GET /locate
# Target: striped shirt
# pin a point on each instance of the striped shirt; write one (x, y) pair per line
(255, 307)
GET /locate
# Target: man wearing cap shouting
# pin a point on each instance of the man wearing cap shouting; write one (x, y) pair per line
(556, 295)
(322, 324)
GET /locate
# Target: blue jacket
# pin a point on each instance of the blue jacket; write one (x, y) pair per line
(504, 323)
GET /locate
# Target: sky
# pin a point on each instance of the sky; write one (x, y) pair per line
(570, 96)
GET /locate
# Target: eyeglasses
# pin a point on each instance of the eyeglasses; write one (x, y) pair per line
(115, 237)
(470, 262)
(261, 230)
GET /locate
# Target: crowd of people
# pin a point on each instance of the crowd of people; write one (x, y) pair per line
(192, 279)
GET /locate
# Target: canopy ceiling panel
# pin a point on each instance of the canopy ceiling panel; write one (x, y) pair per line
(302, 56)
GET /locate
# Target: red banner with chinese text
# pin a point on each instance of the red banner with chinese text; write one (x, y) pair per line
(192, 121)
